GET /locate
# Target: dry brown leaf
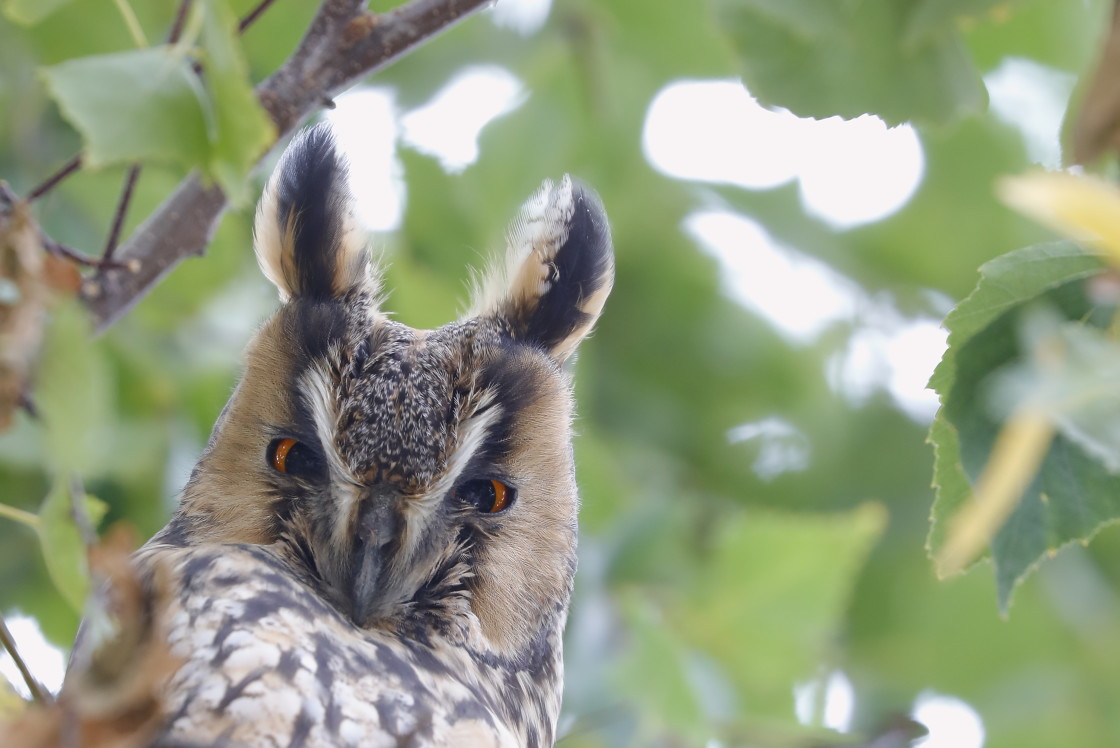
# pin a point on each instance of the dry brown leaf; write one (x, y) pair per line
(112, 694)
(23, 300)
(61, 276)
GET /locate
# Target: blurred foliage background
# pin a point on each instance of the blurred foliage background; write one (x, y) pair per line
(720, 575)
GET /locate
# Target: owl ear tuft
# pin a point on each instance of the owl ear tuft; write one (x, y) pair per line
(558, 270)
(307, 240)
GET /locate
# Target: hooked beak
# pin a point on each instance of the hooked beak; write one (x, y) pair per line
(376, 527)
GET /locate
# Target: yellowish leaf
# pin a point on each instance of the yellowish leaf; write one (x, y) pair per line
(11, 705)
(1015, 459)
(1082, 207)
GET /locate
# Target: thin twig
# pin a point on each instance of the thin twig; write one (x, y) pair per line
(73, 255)
(253, 15)
(39, 692)
(9, 199)
(121, 212)
(71, 166)
(242, 25)
(180, 19)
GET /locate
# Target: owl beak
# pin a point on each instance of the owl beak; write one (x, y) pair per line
(377, 524)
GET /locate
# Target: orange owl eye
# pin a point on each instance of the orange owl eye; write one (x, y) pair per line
(488, 496)
(296, 459)
(278, 453)
(501, 497)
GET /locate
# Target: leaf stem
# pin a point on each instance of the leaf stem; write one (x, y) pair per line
(180, 18)
(38, 691)
(133, 24)
(253, 15)
(49, 184)
(121, 212)
(19, 515)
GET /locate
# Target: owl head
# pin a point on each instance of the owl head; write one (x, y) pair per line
(410, 475)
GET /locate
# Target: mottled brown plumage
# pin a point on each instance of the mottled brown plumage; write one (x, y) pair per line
(344, 571)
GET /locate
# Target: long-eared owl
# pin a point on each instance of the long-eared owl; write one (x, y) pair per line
(377, 545)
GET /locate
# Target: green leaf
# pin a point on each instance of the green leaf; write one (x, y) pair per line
(1072, 378)
(145, 104)
(932, 17)
(30, 12)
(242, 129)
(150, 105)
(671, 40)
(988, 363)
(63, 547)
(1062, 35)
(1091, 416)
(1006, 282)
(949, 478)
(805, 18)
(821, 58)
(74, 393)
(782, 579)
(654, 668)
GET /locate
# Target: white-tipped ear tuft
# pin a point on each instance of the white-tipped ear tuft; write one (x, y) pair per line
(558, 269)
(307, 239)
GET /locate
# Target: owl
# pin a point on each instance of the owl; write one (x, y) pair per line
(377, 545)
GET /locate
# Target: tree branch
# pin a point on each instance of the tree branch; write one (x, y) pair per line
(343, 43)
(38, 690)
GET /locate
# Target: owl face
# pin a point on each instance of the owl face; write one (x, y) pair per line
(414, 477)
